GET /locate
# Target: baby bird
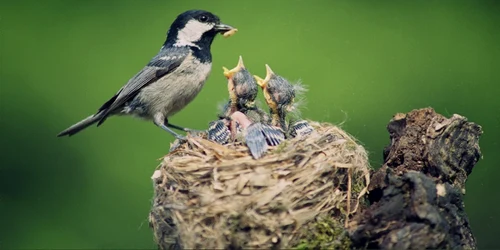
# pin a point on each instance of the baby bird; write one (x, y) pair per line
(280, 97)
(243, 90)
(241, 86)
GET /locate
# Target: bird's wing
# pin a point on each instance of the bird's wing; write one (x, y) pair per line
(162, 64)
(301, 128)
(274, 135)
(218, 131)
(255, 140)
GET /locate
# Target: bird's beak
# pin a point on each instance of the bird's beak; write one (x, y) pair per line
(263, 82)
(229, 73)
(225, 29)
(260, 81)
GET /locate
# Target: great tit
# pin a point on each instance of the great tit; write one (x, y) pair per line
(171, 80)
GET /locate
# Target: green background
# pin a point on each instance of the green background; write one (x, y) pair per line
(363, 61)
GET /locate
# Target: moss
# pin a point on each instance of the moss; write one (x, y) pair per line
(357, 186)
(324, 233)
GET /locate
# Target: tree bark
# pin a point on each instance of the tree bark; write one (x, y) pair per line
(416, 197)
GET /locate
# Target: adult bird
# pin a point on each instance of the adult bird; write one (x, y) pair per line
(171, 80)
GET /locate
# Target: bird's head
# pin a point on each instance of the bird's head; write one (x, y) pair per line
(270, 97)
(196, 28)
(278, 92)
(241, 85)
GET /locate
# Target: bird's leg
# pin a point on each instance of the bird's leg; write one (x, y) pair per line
(160, 122)
(187, 130)
(177, 136)
(176, 127)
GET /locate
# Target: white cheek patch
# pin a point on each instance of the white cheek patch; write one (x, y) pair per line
(192, 32)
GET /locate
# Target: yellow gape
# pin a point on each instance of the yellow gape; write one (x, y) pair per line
(263, 83)
(230, 84)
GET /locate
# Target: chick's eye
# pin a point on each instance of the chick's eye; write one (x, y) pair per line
(203, 18)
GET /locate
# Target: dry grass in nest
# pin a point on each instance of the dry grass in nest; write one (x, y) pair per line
(217, 196)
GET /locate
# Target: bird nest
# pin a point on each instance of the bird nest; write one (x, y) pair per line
(215, 196)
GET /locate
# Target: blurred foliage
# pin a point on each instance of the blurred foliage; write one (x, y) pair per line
(362, 60)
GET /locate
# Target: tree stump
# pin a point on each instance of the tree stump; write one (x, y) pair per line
(416, 196)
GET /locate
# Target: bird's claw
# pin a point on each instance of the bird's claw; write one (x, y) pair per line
(181, 138)
(177, 143)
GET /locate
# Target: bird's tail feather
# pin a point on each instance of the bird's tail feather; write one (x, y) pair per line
(81, 125)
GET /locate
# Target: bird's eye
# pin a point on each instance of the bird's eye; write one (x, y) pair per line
(203, 18)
